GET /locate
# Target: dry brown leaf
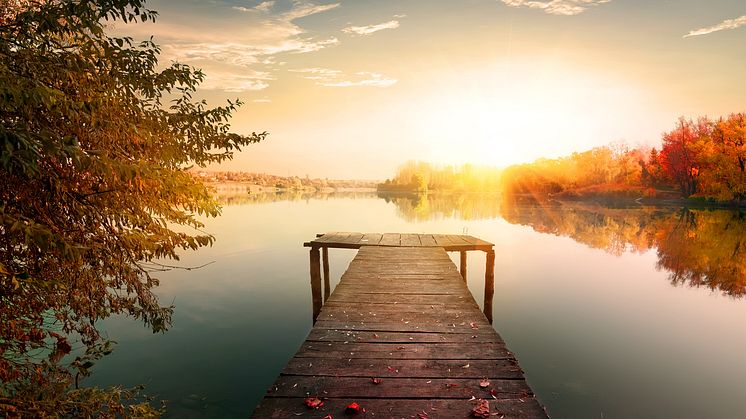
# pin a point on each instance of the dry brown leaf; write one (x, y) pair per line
(482, 410)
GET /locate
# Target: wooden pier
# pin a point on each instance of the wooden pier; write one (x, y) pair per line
(400, 337)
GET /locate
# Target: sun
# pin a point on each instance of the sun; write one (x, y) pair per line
(520, 118)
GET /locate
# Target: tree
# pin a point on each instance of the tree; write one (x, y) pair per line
(728, 179)
(96, 140)
(418, 183)
(652, 171)
(681, 153)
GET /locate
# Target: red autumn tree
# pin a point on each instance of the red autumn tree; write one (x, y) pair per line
(681, 155)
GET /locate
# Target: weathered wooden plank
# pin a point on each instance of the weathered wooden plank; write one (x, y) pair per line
(368, 308)
(371, 239)
(477, 241)
(353, 238)
(340, 296)
(396, 311)
(451, 242)
(436, 388)
(433, 275)
(412, 240)
(319, 334)
(390, 239)
(403, 315)
(369, 270)
(469, 239)
(458, 239)
(442, 240)
(394, 289)
(524, 408)
(363, 350)
(332, 237)
(462, 327)
(428, 240)
(405, 368)
(395, 316)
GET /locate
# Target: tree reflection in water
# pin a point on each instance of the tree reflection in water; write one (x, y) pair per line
(698, 247)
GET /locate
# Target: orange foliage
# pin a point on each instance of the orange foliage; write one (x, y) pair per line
(702, 158)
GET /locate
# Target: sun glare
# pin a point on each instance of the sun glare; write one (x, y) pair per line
(520, 116)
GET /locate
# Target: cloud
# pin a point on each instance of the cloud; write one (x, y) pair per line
(236, 82)
(265, 6)
(724, 25)
(369, 29)
(364, 78)
(336, 78)
(303, 9)
(317, 73)
(557, 7)
(262, 100)
(300, 9)
(241, 56)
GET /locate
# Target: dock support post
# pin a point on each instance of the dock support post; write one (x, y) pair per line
(463, 264)
(315, 282)
(489, 284)
(325, 260)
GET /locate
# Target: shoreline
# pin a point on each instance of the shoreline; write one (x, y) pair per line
(627, 201)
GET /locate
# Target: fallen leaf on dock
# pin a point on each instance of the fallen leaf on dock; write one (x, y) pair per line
(484, 383)
(376, 380)
(352, 408)
(482, 410)
(313, 402)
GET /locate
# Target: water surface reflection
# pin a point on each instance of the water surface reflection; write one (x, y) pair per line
(597, 329)
(697, 247)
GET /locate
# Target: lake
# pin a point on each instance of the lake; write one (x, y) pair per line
(612, 312)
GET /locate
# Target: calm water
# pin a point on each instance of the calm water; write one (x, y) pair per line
(613, 313)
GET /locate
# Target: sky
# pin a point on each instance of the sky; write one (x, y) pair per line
(354, 88)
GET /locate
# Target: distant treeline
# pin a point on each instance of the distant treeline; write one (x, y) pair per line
(417, 177)
(282, 182)
(703, 159)
(290, 195)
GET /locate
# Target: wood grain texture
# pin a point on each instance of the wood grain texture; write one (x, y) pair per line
(402, 315)
(400, 408)
(450, 242)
